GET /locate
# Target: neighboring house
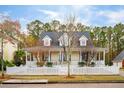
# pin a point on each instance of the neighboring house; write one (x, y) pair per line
(51, 49)
(119, 59)
(8, 50)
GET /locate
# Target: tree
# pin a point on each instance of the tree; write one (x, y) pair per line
(118, 32)
(67, 40)
(47, 27)
(103, 37)
(109, 42)
(62, 27)
(95, 35)
(35, 28)
(80, 27)
(9, 30)
(30, 41)
(55, 25)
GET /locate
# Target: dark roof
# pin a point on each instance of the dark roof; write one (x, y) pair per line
(56, 35)
(119, 58)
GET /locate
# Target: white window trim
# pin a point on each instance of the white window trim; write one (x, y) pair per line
(83, 44)
(63, 37)
(84, 39)
(47, 38)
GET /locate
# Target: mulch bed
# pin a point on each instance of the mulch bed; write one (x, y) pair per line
(4, 78)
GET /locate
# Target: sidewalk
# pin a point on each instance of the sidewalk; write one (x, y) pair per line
(16, 81)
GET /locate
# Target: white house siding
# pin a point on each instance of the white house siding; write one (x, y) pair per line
(9, 50)
(118, 64)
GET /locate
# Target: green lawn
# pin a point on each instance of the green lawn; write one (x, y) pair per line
(73, 79)
(65, 79)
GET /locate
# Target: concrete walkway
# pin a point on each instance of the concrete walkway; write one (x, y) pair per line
(16, 81)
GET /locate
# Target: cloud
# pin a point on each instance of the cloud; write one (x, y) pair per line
(88, 15)
(113, 16)
(4, 15)
(50, 14)
(64, 11)
(92, 15)
(84, 13)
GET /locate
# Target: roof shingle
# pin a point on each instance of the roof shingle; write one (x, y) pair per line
(119, 58)
(56, 35)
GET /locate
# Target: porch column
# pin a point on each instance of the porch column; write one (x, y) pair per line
(38, 56)
(60, 56)
(80, 56)
(30, 56)
(26, 55)
(49, 56)
(104, 55)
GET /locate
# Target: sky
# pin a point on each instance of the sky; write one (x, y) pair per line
(94, 15)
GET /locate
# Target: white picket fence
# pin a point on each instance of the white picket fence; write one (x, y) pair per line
(62, 70)
(95, 71)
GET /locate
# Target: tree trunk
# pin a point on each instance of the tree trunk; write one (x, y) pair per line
(2, 68)
(69, 68)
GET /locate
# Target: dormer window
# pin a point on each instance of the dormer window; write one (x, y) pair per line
(63, 40)
(47, 40)
(83, 41)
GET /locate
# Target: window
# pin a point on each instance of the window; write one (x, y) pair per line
(63, 40)
(83, 56)
(47, 41)
(101, 55)
(29, 57)
(97, 57)
(82, 42)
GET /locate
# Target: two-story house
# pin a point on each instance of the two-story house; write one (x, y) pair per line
(51, 49)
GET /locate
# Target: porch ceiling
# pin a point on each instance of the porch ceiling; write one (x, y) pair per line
(52, 48)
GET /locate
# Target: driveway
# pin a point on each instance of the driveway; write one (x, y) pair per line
(65, 85)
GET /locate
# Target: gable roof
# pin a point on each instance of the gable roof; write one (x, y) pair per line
(119, 58)
(56, 35)
(83, 37)
(46, 37)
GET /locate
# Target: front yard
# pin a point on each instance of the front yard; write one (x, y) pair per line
(76, 78)
(83, 78)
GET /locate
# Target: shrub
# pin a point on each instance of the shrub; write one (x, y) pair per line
(92, 64)
(110, 63)
(49, 64)
(81, 64)
(122, 68)
(9, 64)
(40, 64)
(6, 63)
(19, 57)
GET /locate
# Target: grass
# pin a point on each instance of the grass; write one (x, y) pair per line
(75, 79)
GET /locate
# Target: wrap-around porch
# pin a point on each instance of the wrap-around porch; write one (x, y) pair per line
(56, 55)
